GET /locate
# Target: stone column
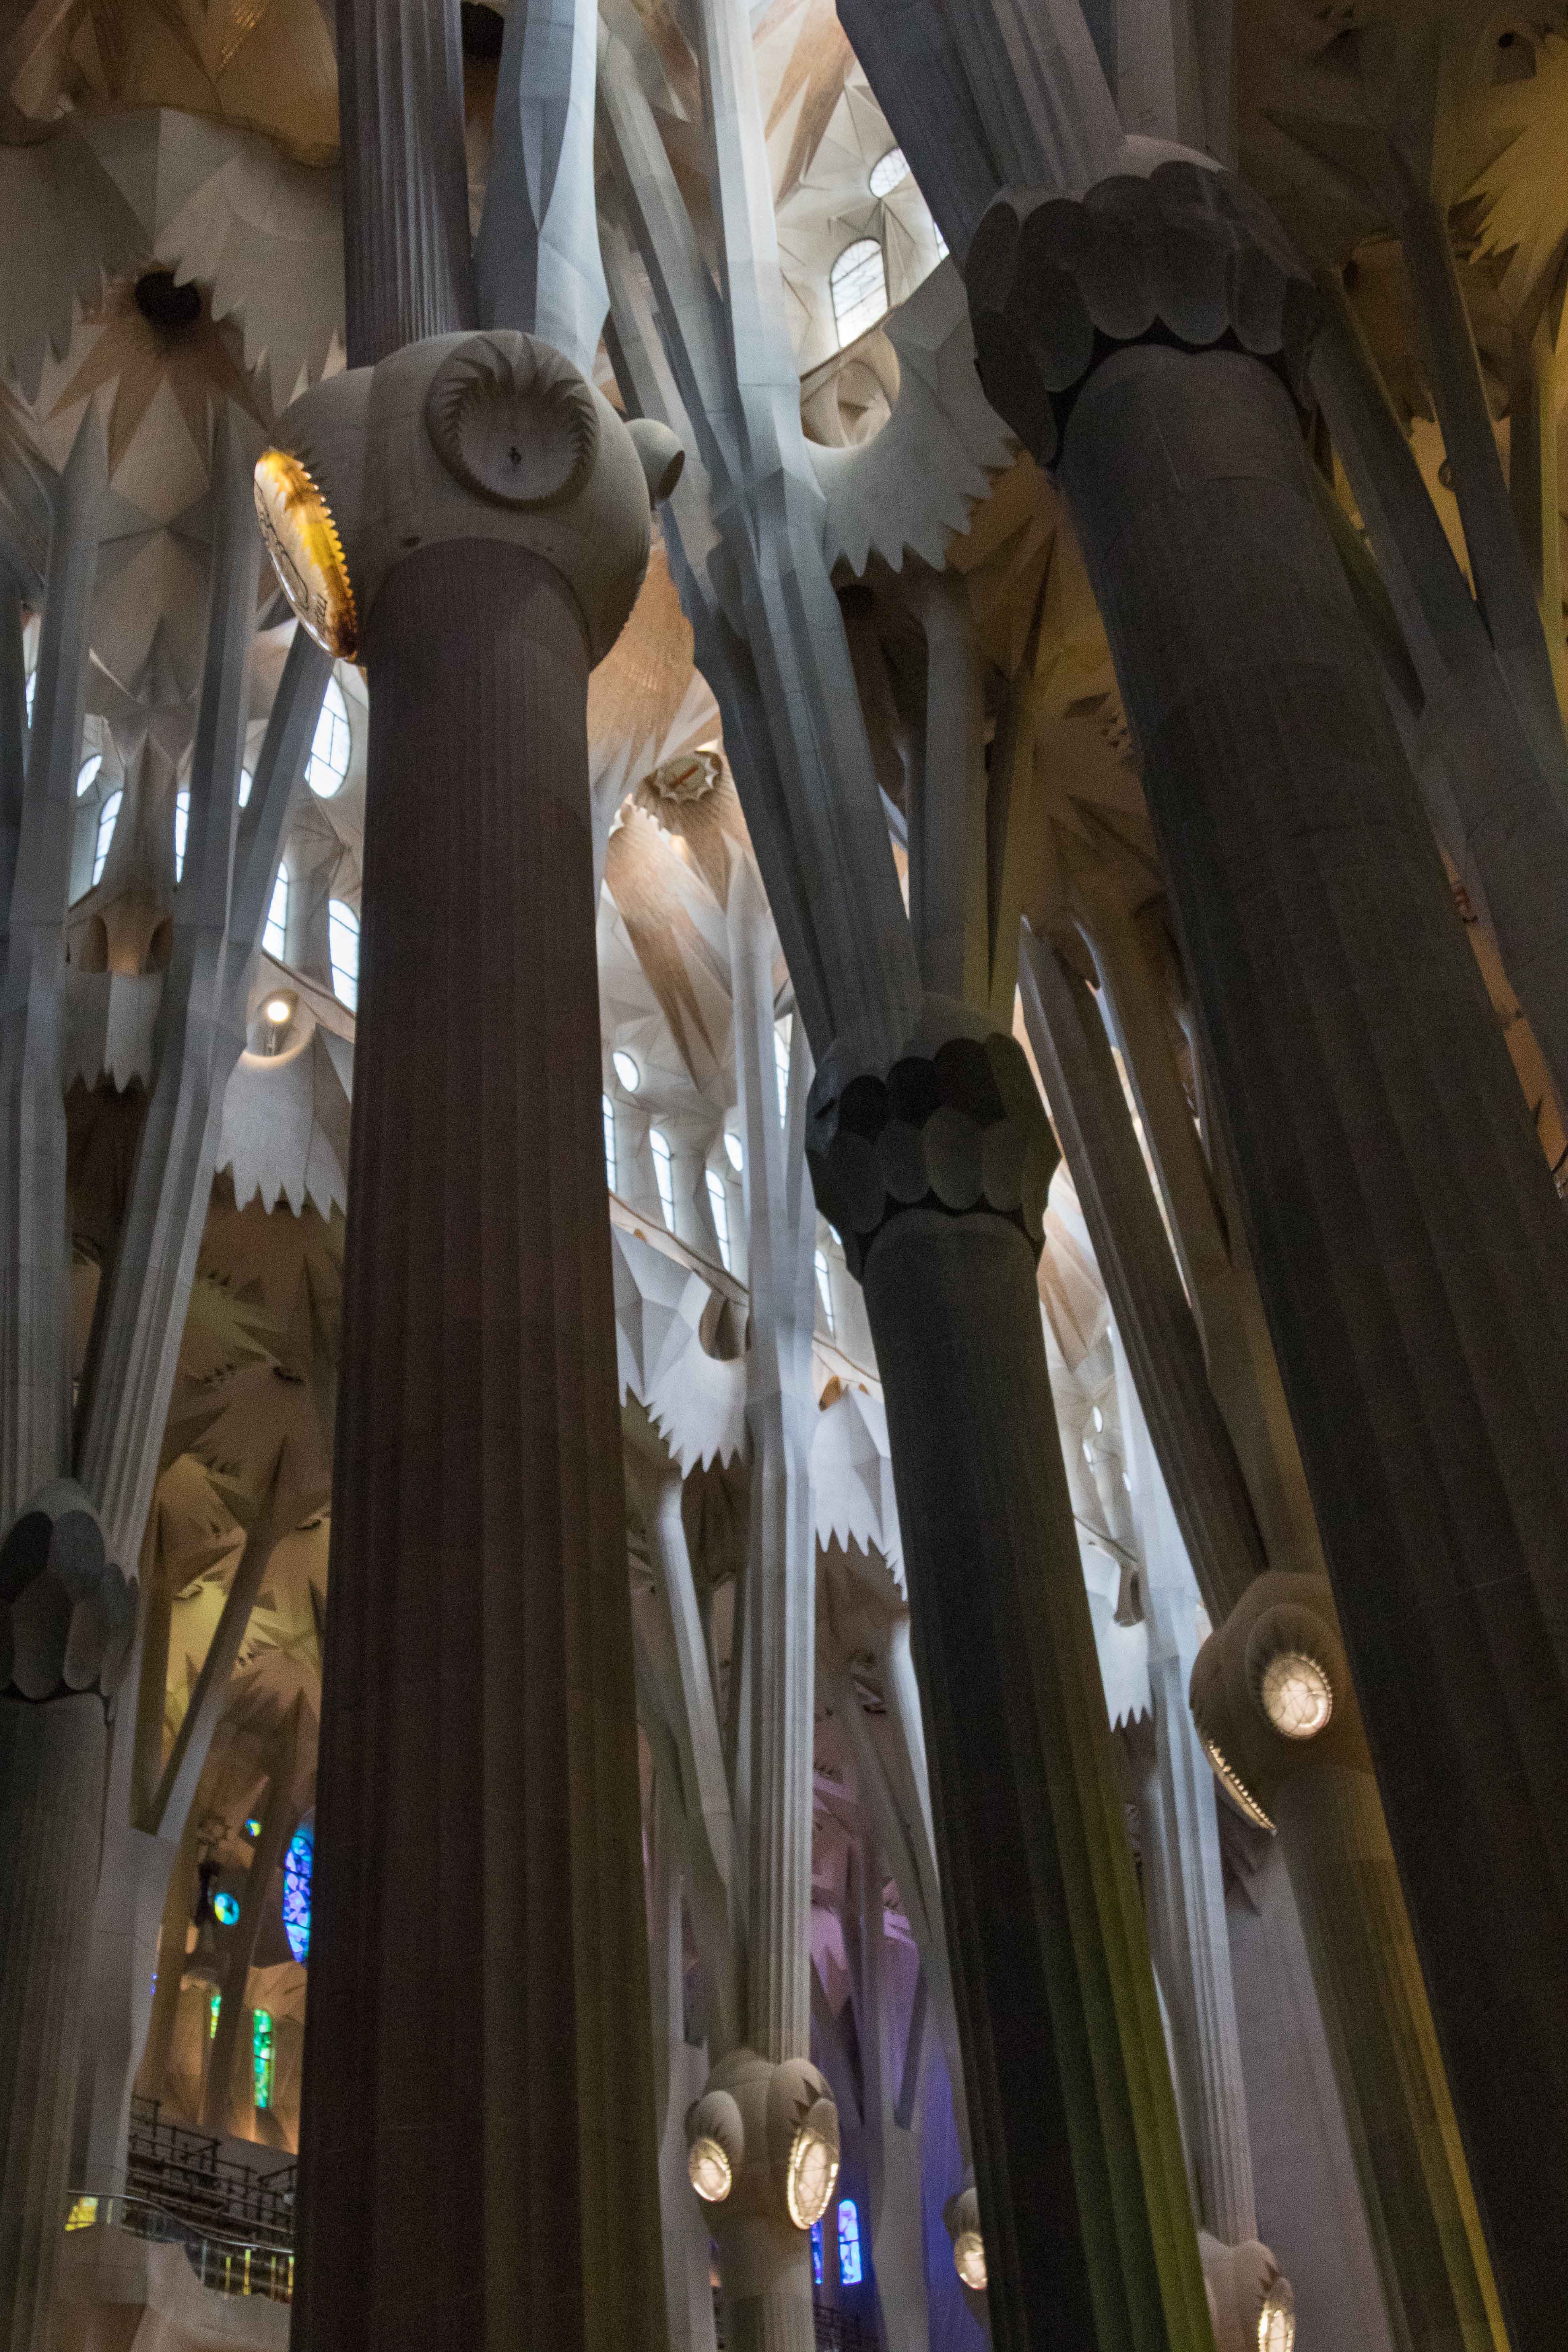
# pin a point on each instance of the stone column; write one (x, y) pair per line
(34, 1248)
(480, 1961)
(66, 1617)
(935, 1173)
(407, 267)
(1272, 1698)
(1409, 1246)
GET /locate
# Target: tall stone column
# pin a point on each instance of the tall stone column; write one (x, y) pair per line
(935, 1171)
(1410, 1249)
(65, 1618)
(1272, 1698)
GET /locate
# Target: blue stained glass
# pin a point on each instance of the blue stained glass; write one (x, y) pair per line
(849, 2271)
(297, 1865)
(226, 1909)
(816, 2253)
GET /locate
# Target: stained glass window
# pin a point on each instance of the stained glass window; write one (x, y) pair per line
(214, 2005)
(816, 2253)
(849, 2269)
(226, 1909)
(261, 2059)
(297, 1865)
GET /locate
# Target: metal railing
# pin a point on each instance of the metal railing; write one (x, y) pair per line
(228, 2265)
(836, 2329)
(185, 2172)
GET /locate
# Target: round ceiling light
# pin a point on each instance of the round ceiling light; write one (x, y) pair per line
(1296, 1695)
(709, 2170)
(625, 1070)
(813, 2170)
(1277, 2320)
(969, 2259)
(307, 554)
(279, 1011)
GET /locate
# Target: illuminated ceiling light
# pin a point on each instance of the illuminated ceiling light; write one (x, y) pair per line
(969, 2259)
(625, 1070)
(709, 2170)
(1277, 2320)
(888, 171)
(1297, 1695)
(1235, 1787)
(278, 1010)
(813, 2172)
(733, 1152)
(307, 554)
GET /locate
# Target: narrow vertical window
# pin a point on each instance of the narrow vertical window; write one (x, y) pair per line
(182, 829)
(261, 2063)
(215, 2006)
(108, 817)
(824, 1292)
(718, 1202)
(849, 2271)
(858, 282)
(342, 950)
(246, 781)
(608, 1109)
(328, 764)
(781, 1066)
(664, 1175)
(275, 937)
(816, 2253)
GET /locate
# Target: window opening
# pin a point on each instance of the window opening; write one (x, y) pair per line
(816, 2253)
(108, 817)
(87, 774)
(182, 830)
(858, 285)
(328, 764)
(261, 2059)
(297, 1865)
(275, 937)
(718, 1202)
(246, 781)
(342, 951)
(888, 171)
(664, 1175)
(849, 2269)
(781, 1065)
(625, 1070)
(608, 1108)
(824, 1292)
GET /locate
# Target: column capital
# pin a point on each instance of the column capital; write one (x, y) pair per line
(66, 1612)
(1188, 257)
(954, 1122)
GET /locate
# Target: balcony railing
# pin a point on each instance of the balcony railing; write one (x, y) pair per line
(229, 2265)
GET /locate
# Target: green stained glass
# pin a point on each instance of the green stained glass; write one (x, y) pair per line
(214, 2005)
(262, 2056)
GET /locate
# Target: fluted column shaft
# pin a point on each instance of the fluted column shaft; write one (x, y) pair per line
(51, 1780)
(476, 2164)
(1083, 2197)
(1420, 2207)
(1411, 1253)
(407, 267)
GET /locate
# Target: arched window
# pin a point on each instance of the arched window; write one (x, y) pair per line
(262, 2056)
(850, 2273)
(734, 1150)
(888, 171)
(718, 1202)
(108, 817)
(296, 1868)
(664, 1174)
(182, 829)
(275, 937)
(87, 774)
(342, 951)
(824, 1291)
(625, 1069)
(331, 745)
(608, 1108)
(858, 285)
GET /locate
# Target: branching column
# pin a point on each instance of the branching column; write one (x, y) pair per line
(935, 1171)
(1412, 1256)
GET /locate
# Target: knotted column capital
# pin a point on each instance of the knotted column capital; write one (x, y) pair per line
(1187, 257)
(954, 1122)
(66, 1612)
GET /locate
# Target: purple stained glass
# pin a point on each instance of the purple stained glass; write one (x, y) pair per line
(297, 1889)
